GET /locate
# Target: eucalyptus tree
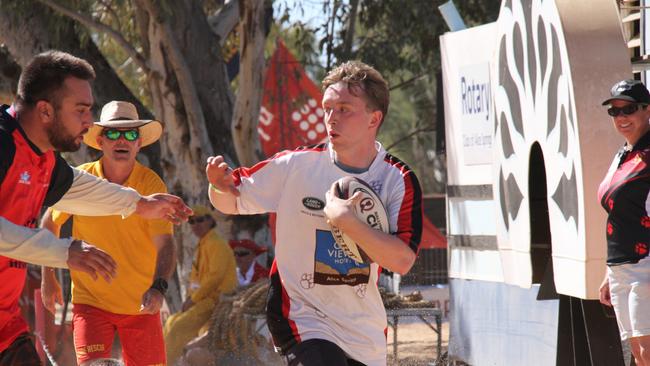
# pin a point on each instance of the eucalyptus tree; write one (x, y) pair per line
(175, 49)
(170, 54)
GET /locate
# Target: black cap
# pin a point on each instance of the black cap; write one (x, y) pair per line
(630, 90)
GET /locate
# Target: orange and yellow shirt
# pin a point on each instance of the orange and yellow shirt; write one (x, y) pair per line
(129, 241)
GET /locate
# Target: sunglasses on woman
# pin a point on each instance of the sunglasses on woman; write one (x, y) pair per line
(627, 110)
(114, 135)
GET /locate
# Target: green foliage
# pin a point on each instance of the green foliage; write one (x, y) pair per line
(299, 37)
(395, 37)
(401, 39)
(477, 12)
(120, 16)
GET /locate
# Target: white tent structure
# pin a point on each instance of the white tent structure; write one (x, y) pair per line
(527, 146)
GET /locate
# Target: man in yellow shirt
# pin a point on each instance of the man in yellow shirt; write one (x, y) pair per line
(143, 249)
(213, 273)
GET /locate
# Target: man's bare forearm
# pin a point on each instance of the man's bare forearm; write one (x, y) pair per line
(166, 257)
(385, 249)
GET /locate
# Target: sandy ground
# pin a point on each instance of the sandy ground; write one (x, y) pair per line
(416, 343)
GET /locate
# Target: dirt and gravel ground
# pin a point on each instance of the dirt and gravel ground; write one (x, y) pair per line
(416, 343)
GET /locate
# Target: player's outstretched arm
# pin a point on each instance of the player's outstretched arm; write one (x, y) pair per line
(384, 249)
(40, 246)
(83, 256)
(92, 196)
(92, 260)
(223, 193)
(163, 206)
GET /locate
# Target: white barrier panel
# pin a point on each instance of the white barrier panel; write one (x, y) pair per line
(555, 61)
(469, 112)
(469, 125)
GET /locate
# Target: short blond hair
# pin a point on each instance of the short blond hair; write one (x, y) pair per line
(357, 74)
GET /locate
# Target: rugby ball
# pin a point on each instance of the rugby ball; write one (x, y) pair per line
(369, 209)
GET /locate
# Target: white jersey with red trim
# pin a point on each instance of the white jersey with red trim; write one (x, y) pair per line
(317, 291)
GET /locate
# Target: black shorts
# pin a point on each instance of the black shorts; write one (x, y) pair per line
(318, 352)
(20, 353)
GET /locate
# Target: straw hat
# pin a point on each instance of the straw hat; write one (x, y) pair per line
(117, 114)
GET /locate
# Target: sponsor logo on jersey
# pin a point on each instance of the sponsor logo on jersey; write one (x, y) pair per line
(376, 186)
(332, 266)
(25, 178)
(313, 203)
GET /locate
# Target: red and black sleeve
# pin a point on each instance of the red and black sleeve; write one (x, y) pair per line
(60, 183)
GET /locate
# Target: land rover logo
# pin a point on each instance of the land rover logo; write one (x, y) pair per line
(313, 203)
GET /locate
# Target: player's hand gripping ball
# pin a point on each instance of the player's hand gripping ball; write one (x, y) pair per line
(369, 209)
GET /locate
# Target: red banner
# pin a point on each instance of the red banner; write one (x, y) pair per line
(432, 238)
(291, 113)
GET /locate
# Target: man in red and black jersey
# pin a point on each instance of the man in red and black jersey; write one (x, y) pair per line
(625, 195)
(52, 112)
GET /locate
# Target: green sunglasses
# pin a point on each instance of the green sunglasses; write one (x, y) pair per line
(114, 135)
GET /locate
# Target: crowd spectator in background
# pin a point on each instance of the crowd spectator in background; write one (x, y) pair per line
(213, 273)
(248, 269)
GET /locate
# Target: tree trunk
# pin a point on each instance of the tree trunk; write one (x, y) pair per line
(9, 74)
(194, 102)
(28, 35)
(225, 20)
(251, 82)
(186, 77)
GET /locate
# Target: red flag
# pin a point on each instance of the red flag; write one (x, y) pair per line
(291, 113)
(431, 237)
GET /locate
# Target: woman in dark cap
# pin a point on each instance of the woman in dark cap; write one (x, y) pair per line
(624, 193)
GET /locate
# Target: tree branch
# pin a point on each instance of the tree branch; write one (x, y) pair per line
(225, 20)
(101, 27)
(408, 136)
(349, 33)
(409, 81)
(331, 23)
(110, 11)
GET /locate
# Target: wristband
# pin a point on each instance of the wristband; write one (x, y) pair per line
(160, 284)
(214, 188)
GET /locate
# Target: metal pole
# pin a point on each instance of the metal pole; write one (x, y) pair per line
(451, 16)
